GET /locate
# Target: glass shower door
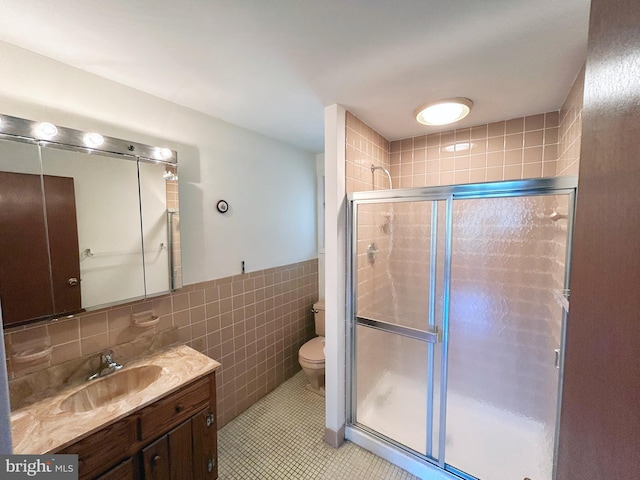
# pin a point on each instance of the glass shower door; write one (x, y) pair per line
(457, 321)
(505, 325)
(399, 248)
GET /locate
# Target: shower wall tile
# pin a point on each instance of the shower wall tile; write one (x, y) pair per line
(570, 129)
(366, 147)
(253, 324)
(525, 147)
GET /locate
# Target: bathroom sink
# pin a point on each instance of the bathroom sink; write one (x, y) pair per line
(111, 388)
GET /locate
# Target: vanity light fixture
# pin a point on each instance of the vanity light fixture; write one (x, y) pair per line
(46, 130)
(443, 112)
(93, 140)
(165, 153)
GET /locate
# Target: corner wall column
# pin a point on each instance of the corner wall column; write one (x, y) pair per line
(335, 252)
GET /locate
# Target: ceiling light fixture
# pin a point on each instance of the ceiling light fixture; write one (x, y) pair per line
(443, 112)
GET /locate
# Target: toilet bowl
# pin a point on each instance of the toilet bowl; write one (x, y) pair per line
(311, 354)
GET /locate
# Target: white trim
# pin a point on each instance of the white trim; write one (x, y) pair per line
(335, 263)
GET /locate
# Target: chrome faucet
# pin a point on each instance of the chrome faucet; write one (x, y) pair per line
(107, 365)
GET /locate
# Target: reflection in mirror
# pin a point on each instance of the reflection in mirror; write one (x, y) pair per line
(86, 221)
(153, 198)
(108, 223)
(25, 280)
(173, 216)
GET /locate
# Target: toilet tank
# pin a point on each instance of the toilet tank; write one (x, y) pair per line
(318, 313)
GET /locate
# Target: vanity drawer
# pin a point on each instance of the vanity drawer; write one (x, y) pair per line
(104, 448)
(168, 412)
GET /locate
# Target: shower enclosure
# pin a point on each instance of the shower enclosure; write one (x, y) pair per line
(455, 299)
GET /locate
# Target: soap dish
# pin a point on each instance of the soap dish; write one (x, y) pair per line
(32, 354)
(144, 319)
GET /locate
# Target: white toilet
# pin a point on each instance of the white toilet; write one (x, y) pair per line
(311, 354)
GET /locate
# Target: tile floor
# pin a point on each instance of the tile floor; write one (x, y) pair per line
(280, 437)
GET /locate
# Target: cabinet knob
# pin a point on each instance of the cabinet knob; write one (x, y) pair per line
(155, 460)
(179, 408)
(210, 464)
(72, 282)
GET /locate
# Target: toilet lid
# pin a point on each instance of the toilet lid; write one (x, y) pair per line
(312, 351)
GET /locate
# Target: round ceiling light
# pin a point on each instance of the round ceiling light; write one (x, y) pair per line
(443, 112)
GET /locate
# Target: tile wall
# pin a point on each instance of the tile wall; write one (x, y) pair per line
(570, 132)
(523, 147)
(253, 324)
(365, 147)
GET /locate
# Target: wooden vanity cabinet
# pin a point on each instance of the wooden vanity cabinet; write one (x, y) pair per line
(175, 438)
(187, 452)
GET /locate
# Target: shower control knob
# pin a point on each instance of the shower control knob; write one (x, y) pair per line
(72, 282)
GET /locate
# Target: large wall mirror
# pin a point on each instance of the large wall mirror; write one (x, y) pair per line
(85, 221)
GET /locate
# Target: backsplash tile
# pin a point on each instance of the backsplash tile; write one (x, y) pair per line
(253, 324)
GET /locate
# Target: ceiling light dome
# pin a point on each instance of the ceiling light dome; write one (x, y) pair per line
(443, 112)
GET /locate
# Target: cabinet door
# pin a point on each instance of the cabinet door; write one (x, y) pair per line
(155, 459)
(181, 452)
(124, 471)
(205, 458)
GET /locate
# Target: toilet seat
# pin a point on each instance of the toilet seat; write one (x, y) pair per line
(312, 351)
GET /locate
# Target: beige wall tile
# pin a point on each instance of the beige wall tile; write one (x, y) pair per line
(93, 324)
(64, 331)
(95, 344)
(534, 122)
(515, 125)
(532, 170)
(496, 129)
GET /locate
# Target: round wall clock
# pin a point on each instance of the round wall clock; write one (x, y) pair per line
(222, 206)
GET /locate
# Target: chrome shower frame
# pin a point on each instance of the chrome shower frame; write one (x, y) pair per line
(383, 445)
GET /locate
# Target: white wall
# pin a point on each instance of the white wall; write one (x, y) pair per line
(269, 185)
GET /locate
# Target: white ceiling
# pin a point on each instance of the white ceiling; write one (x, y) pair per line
(272, 65)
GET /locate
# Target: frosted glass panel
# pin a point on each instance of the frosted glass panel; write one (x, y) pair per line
(391, 386)
(393, 262)
(508, 258)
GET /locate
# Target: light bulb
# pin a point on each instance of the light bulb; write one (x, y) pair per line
(93, 140)
(165, 153)
(46, 130)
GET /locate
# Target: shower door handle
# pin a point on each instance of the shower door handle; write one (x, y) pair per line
(432, 335)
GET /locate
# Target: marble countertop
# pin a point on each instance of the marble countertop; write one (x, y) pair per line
(43, 427)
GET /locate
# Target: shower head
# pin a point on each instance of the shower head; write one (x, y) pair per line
(374, 168)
